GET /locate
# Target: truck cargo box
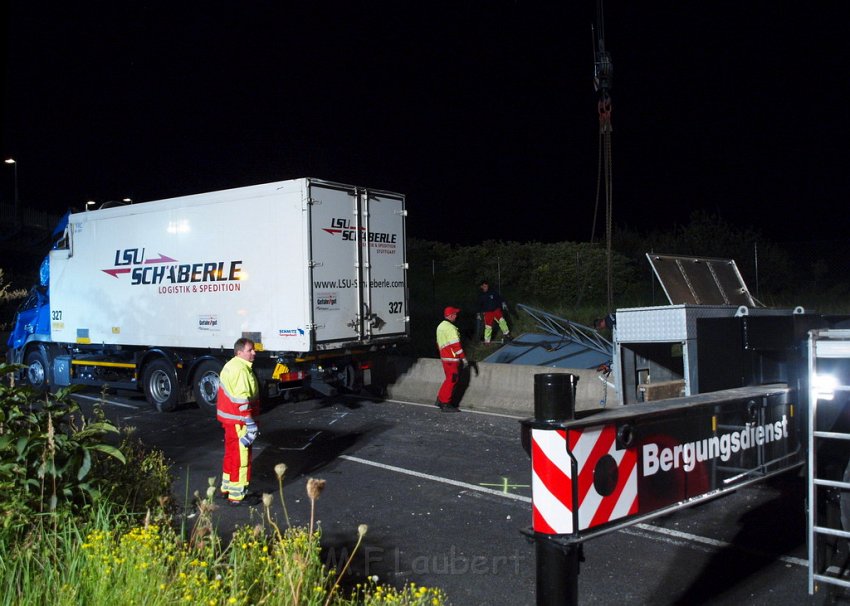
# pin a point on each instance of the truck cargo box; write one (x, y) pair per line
(298, 266)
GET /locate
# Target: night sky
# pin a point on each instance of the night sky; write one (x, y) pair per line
(482, 113)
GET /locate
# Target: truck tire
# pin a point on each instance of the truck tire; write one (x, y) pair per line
(205, 385)
(37, 365)
(161, 386)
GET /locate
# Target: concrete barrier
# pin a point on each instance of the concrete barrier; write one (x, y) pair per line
(507, 388)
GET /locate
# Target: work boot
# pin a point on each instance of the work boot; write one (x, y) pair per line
(448, 408)
(249, 499)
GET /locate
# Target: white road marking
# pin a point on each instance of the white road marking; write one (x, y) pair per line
(426, 476)
(105, 401)
(338, 416)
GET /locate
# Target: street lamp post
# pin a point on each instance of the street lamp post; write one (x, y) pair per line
(15, 167)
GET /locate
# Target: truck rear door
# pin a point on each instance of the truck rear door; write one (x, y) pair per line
(358, 262)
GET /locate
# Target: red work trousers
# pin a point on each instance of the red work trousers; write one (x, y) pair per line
(447, 389)
(489, 316)
(236, 466)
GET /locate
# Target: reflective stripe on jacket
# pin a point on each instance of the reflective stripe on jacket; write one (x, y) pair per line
(238, 392)
(448, 342)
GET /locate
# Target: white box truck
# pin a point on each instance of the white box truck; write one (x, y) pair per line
(152, 296)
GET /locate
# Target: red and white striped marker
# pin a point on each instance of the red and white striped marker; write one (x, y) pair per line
(606, 485)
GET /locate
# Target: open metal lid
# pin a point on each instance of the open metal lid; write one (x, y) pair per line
(700, 281)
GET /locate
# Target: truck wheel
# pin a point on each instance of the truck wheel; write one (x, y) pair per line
(37, 370)
(161, 387)
(206, 385)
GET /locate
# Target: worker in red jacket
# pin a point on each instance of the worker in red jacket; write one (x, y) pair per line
(452, 357)
(237, 402)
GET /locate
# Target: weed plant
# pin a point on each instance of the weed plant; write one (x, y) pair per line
(47, 450)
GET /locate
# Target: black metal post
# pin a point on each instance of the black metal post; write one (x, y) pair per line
(554, 397)
(557, 573)
(556, 563)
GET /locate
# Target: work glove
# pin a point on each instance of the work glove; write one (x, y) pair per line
(248, 433)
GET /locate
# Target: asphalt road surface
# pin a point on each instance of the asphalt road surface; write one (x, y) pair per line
(446, 497)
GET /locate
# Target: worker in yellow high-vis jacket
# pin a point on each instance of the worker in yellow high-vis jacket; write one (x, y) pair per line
(237, 403)
(452, 357)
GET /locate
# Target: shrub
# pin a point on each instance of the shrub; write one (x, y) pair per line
(47, 450)
(142, 482)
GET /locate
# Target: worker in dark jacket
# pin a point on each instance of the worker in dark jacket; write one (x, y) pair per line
(490, 305)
